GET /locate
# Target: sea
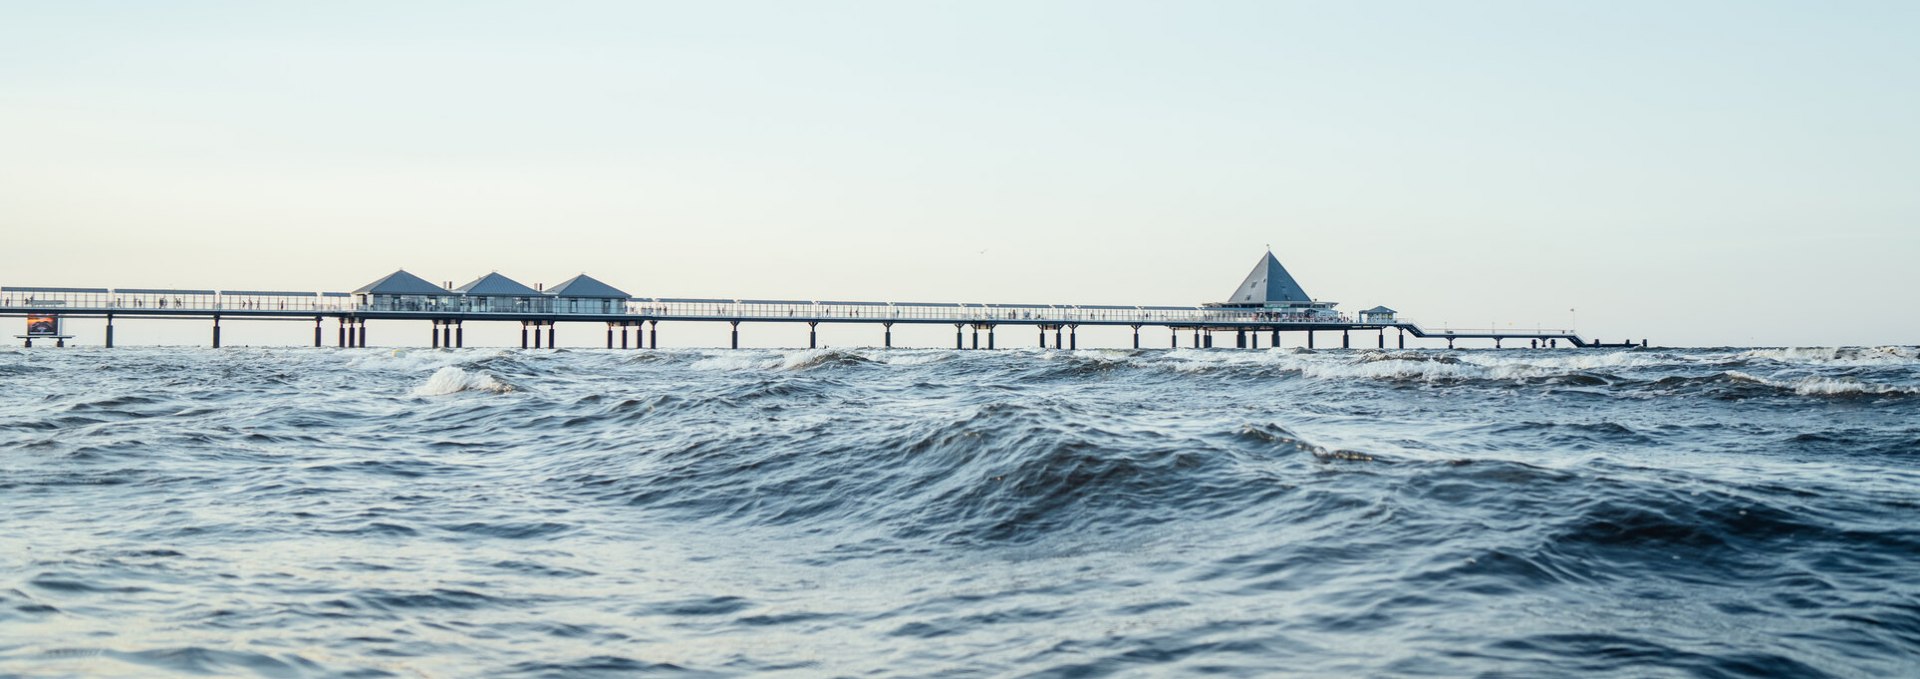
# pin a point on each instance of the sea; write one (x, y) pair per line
(1712, 512)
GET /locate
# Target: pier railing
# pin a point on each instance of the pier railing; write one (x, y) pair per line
(135, 300)
(257, 302)
(959, 312)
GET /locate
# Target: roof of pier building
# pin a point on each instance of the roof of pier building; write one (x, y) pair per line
(401, 283)
(496, 285)
(587, 286)
(1268, 284)
(1379, 310)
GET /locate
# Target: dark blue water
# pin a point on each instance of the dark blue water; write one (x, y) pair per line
(1709, 513)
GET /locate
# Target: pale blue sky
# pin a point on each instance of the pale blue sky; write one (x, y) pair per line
(1696, 173)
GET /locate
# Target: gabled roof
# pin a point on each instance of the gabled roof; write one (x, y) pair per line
(401, 283)
(1379, 310)
(586, 286)
(496, 285)
(1268, 282)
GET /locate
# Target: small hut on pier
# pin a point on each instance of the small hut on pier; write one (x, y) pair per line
(1377, 314)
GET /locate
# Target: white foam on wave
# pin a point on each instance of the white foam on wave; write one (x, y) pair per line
(1825, 386)
(809, 358)
(738, 359)
(1862, 356)
(1339, 366)
(912, 357)
(419, 360)
(1398, 369)
(453, 380)
(1392, 364)
(805, 359)
(1571, 360)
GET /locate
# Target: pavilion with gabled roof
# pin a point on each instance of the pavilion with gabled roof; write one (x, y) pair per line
(586, 294)
(500, 294)
(402, 291)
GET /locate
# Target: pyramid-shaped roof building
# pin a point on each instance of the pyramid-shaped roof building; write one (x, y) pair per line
(401, 283)
(496, 285)
(588, 287)
(1268, 283)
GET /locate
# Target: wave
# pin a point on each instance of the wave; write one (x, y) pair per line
(1825, 386)
(1844, 356)
(453, 380)
(422, 360)
(1000, 473)
(795, 360)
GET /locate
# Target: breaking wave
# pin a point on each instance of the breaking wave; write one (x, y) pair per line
(453, 380)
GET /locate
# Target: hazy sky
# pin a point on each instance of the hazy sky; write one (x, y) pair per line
(1691, 172)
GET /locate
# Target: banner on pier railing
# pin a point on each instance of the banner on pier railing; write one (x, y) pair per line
(39, 325)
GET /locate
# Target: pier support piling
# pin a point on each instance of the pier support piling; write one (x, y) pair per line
(1073, 337)
(1056, 337)
(976, 337)
(736, 333)
(653, 334)
(460, 334)
(1403, 337)
(813, 335)
(958, 337)
(523, 334)
(1383, 338)
(552, 343)
(436, 334)
(1043, 337)
(216, 332)
(1136, 337)
(1345, 341)
(887, 339)
(1309, 339)
(1276, 338)
(360, 328)
(316, 332)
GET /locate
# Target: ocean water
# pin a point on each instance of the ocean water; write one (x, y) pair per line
(322, 512)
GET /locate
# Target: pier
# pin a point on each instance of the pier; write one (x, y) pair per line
(1264, 311)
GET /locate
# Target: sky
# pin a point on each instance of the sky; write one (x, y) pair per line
(1695, 173)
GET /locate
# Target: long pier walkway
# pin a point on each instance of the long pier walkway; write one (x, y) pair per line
(633, 322)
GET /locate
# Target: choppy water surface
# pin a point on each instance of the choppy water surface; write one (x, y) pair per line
(512, 513)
